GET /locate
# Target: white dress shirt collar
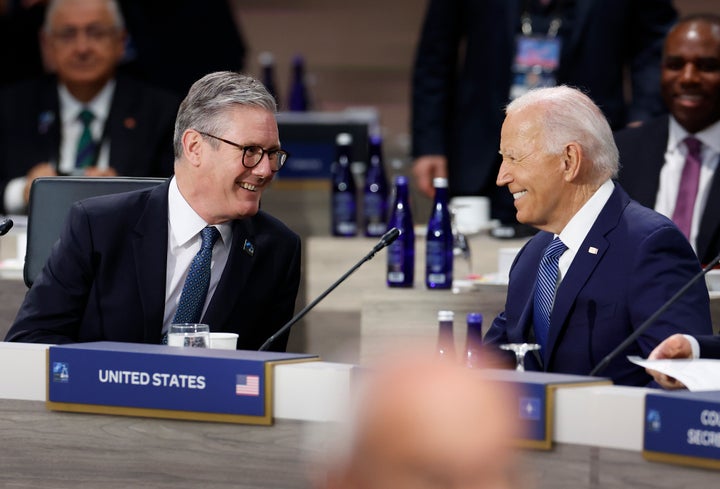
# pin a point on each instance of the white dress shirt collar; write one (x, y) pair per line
(710, 136)
(70, 107)
(185, 223)
(577, 229)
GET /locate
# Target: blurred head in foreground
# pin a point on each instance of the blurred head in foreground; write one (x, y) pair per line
(421, 423)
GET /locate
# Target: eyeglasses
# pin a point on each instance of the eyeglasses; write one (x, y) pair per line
(252, 155)
(93, 33)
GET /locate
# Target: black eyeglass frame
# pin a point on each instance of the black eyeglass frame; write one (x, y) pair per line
(280, 160)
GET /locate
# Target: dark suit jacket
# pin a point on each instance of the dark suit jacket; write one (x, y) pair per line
(105, 278)
(709, 346)
(140, 128)
(458, 104)
(642, 156)
(642, 260)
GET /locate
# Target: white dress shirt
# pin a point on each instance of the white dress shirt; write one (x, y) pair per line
(577, 229)
(184, 240)
(671, 172)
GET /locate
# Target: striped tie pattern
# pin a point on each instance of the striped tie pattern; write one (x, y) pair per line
(196, 285)
(689, 182)
(545, 290)
(85, 155)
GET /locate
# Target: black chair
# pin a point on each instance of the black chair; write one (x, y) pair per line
(50, 202)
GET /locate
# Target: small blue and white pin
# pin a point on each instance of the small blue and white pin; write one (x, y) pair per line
(249, 248)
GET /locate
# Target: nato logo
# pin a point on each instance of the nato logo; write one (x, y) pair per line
(653, 421)
(530, 408)
(61, 372)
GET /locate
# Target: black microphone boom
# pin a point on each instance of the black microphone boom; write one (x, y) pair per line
(5, 226)
(385, 240)
(635, 334)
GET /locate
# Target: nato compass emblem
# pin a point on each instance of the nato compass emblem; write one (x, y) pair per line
(60, 372)
(653, 422)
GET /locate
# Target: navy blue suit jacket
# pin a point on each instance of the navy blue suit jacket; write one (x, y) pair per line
(140, 129)
(105, 278)
(458, 104)
(709, 346)
(642, 156)
(631, 262)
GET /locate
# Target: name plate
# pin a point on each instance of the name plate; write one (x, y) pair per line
(164, 381)
(535, 401)
(683, 428)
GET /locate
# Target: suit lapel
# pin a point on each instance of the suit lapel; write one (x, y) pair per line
(241, 260)
(149, 244)
(120, 127)
(587, 258)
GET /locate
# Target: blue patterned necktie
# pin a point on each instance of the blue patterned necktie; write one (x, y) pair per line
(85, 155)
(196, 285)
(545, 290)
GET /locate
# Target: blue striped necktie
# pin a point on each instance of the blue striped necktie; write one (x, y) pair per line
(197, 282)
(545, 290)
(85, 155)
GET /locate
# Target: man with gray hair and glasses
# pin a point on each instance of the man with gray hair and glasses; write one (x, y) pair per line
(602, 263)
(85, 119)
(126, 265)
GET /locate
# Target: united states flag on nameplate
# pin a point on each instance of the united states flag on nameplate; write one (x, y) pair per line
(247, 385)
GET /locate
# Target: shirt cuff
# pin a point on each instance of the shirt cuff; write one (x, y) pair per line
(14, 198)
(694, 345)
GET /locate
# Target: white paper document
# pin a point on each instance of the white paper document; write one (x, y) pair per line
(698, 375)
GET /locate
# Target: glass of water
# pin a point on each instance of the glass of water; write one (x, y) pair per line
(194, 335)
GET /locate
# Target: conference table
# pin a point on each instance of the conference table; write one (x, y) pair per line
(597, 436)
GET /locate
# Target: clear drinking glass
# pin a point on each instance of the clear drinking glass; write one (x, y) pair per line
(520, 350)
(194, 335)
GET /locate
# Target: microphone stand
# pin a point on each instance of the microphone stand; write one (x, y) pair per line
(5, 226)
(635, 334)
(386, 239)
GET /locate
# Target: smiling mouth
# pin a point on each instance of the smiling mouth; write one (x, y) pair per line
(247, 186)
(517, 195)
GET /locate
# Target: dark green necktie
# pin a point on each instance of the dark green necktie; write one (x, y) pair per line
(85, 155)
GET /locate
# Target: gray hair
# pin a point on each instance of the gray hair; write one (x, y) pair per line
(112, 6)
(211, 96)
(571, 116)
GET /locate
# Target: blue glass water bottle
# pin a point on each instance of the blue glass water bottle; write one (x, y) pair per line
(401, 253)
(267, 62)
(375, 195)
(298, 97)
(473, 342)
(344, 198)
(446, 340)
(439, 240)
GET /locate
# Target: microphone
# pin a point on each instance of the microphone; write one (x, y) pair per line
(635, 334)
(5, 226)
(385, 240)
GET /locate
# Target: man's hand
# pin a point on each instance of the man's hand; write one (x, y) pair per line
(676, 346)
(425, 169)
(94, 171)
(37, 171)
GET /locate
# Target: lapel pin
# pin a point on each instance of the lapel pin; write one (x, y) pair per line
(248, 248)
(45, 120)
(130, 123)
(592, 250)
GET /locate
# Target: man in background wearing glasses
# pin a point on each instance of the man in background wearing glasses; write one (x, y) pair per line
(120, 269)
(85, 119)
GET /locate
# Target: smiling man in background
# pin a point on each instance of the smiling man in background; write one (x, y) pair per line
(85, 119)
(670, 163)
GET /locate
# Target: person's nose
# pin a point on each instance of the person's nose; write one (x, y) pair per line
(504, 176)
(689, 73)
(264, 169)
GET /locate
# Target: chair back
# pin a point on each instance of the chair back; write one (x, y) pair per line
(50, 202)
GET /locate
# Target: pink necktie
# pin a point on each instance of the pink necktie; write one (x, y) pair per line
(688, 186)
